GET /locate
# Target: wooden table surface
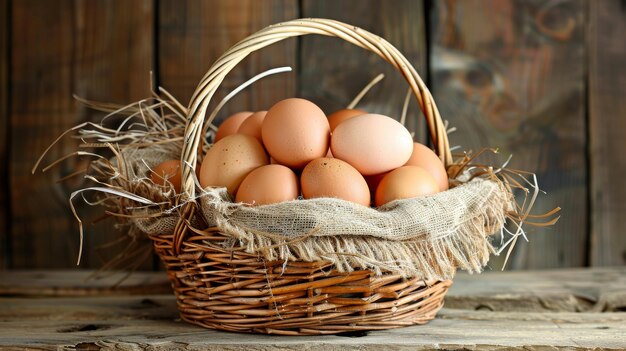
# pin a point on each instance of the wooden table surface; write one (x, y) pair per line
(534, 310)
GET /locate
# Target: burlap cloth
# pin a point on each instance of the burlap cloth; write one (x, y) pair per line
(427, 237)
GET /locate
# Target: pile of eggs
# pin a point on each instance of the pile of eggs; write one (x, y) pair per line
(293, 149)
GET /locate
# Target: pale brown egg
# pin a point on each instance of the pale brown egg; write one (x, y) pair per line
(252, 125)
(426, 158)
(295, 132)
(404, 183)
(331, 177)
(231, 125)
(230, 160)
(372, 143)
(335, 118)
(268, 185)
(167, 171)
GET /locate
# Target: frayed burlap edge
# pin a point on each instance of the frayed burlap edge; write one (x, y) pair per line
(466, 245)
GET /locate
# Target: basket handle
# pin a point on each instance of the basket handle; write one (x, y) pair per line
(277, 32)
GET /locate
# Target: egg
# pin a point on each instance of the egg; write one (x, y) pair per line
(426, 158)
(252, 125)
(167, 171)
(372, 143)
(295, 132)
(231, 125)
(404, 183)
(230, 160)
(267, 185)
(331, 177)
(335, 118)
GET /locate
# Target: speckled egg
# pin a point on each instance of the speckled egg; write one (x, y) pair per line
(331, 177)
(230, 160)
(295, 132)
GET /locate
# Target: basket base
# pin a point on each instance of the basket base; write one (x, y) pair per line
(235, 291)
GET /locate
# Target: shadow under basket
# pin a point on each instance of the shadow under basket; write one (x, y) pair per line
(231, 290)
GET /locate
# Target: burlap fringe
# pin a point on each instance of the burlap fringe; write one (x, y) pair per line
(467, 246)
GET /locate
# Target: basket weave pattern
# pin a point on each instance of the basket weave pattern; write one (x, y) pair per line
(235, 291)
(230, 289)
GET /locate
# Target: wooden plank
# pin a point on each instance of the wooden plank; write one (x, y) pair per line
(81, 283)
(151, 321)
(517, 82)
(607, 108)
(100, 50)
(193, 34)
(4, 136)
(333, 71)
(562, 290)
(101, 325)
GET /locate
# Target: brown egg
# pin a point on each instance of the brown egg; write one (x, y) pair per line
(295, 132)
(268, 185)
(335, 118)
(230, 160)
(404, 183)
(426, 158)
(231, 125)
(372, 143)
(167, 171)
(331, 177)
(252, 125)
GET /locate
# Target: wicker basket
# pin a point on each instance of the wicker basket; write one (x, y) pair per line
(229, 289)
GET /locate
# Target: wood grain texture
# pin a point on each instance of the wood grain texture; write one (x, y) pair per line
(150, 321)
(607, 112)
(562, 290)
(517, 82)
(4, 134)
(100, 50)
(62, 283)
(193, 34)
(333, 71)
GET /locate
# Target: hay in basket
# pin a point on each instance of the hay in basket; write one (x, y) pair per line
(317, 266)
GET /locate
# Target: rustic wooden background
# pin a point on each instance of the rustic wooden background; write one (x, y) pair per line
(542, 80)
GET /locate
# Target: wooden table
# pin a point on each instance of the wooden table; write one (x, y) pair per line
(542, 310)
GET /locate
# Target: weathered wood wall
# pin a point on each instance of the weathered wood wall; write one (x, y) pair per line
(542, 80)
(517, 82)
(4, 135)
(607, 120)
